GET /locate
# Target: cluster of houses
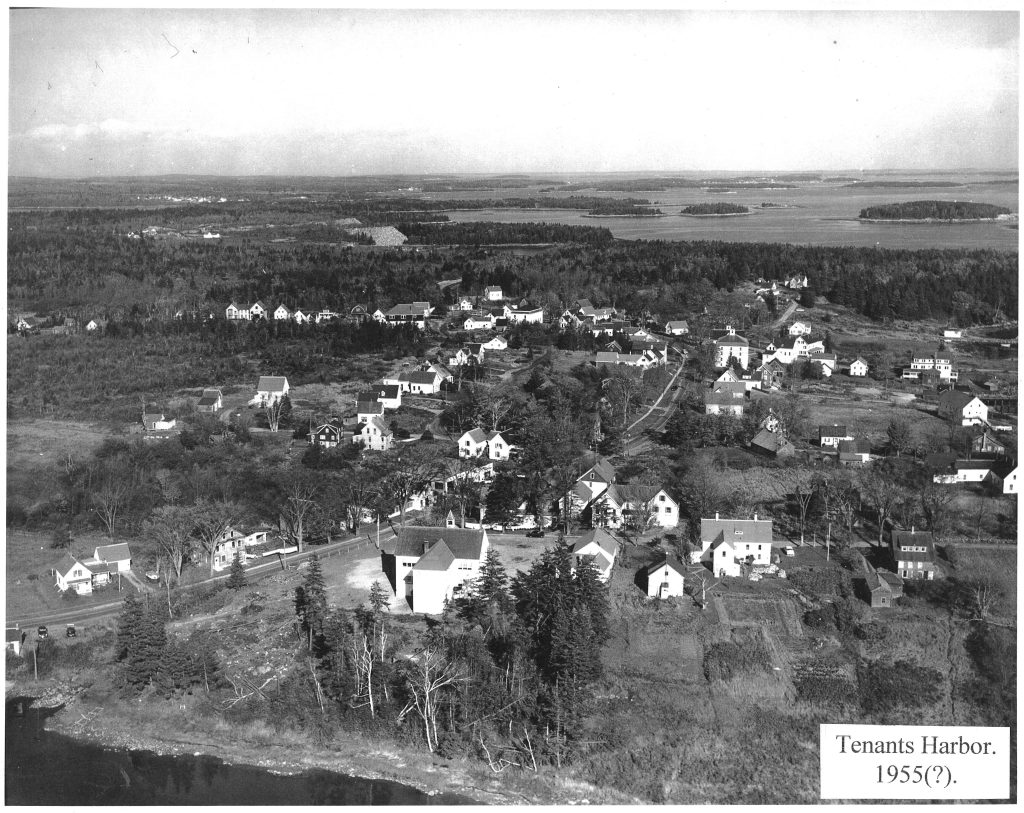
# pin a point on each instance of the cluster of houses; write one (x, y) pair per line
(61, 326)
(729, 346)
(987, 463)
(82, 575)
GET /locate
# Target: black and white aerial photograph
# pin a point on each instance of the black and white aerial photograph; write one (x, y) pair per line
(523, 407)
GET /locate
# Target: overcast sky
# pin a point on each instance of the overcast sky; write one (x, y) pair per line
(138, 92)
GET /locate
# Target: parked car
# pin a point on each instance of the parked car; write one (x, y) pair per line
(788, 550)
(43, 632)
(70, 631)
(535, 532)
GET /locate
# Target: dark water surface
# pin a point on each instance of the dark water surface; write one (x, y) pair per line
(45, 768)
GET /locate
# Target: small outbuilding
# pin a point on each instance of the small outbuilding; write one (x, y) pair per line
(665, 578)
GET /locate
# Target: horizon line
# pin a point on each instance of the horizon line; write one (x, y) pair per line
(524, 174)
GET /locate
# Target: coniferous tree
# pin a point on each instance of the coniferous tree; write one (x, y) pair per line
(145, 650)
(128, 624)
(379, 598)
(236, 578)
(311, 601)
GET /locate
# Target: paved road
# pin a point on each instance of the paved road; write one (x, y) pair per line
(80, 615)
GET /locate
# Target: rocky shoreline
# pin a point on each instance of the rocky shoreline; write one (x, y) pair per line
(357, 758)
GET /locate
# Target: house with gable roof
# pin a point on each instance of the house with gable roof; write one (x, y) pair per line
(854, 452)
(484, 322)
(282, 313)
(597, 477)
(925, 359)
(492, 293)
(986, 443)
(725, 398)
(666, 578)
(599, 547)
(729, 544)
(963, 408)
(831, 436)
(421, 382)
(497, 447)
(827, 361)
(82, 575)
(367, 407)
(730, 346)
(414, 313)
(73, 574)
(677, 327)
(237, 310)
(788, 351)
(326, 435)
(884, 587)
(643, 505)
(858, 367)
(773, 444)
(496, 343)
(270, 389)
(115, 558)
(232, 541)
(374, 434)
(433, 564)
(473, 442)
(211, 400)
(913, 554)
(156, 422)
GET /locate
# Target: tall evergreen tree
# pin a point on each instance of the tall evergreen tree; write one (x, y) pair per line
(145, 649)
(311, 601)
(128, 624)
(236, 578)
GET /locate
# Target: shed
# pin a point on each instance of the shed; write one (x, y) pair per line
(665, 578)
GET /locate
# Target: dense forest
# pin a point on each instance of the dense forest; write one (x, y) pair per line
(483, 234)
(880, 184)
(933, 210)
(715, 209)
(55, 266)
(614, 208)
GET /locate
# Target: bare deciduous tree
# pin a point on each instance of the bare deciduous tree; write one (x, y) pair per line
(427, 677)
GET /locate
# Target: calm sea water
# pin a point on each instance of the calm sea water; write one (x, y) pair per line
(818, 214)
(45, 768)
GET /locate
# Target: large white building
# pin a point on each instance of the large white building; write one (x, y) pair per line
(726, 545)
(731, 346)
(433, 564)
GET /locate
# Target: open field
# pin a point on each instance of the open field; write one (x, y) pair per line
(35, 441)
(31, 589)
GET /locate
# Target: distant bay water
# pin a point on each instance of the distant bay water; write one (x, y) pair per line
(813, 214)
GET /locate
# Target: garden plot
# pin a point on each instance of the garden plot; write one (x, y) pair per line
(655, 652)
(776, 615)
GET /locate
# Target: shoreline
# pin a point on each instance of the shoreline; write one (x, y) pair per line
(349, 754)
(933, 220)
(723, 214)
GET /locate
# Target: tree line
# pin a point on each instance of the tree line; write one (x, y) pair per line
(933, 210)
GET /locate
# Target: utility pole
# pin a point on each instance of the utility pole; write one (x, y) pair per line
(828, 543)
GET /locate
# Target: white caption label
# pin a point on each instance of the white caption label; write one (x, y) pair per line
(914, 762)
